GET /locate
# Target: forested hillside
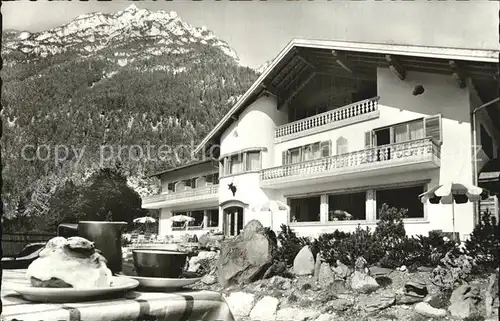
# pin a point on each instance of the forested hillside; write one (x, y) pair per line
(133, 78)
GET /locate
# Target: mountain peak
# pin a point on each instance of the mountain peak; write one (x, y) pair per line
(132, 8)
(131, 27)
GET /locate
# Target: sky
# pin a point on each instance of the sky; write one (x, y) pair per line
(258, 30)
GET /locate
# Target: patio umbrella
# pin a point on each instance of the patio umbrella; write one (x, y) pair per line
(181, 218)
(270, 205)
(451, 193)
(145, 219)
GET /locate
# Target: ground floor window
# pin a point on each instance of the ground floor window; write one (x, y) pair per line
(178, 225)
(213, 218)
(402, 197)
(342, 207)
(198, 218)
(305, 209)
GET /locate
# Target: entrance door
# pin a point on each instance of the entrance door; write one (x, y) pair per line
(233, 220)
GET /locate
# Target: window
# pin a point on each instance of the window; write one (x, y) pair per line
(486, 142)
(171, 187)
(306, 152)
(212, 179)
(190, 183)
(305, 209)
(344, 207)
(342, 146)
(236, 164)
(416, 129)
(213, 218)
(198, 218)
(178, 225)
(253, 161)
(402, 198)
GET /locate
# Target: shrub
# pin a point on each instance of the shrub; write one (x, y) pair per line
(402, 251)
(433, 248)
(290, 245)
(390, 225)
(484, 242)
(347, 247)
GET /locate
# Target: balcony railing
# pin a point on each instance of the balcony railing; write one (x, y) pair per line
(413, 151)
(197, 193)
(352, 111)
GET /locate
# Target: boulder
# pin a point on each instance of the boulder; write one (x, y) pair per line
(326, 317)
(424, 308)
(416, 288)
(325, 275)
(341, 271)
(408, 299)
(317, 266)
(361, 265)
(265, 309)
(209, 240)
(276, 268)
(464, 301)
(376, 301)
(377, 271)
(208, 279)
(491, 295)
(246, 257)
(340, 304)
(363, 282)
(296, 314)
(303, 264)
(240, 303)
(204, 257)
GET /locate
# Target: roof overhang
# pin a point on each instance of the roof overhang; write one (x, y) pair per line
(205, 161)
(294, 63)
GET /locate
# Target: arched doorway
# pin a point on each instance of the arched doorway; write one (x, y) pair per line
(233, 220)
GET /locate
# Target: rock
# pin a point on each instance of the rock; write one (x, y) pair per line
(203, 257)
(407, 299)
(317, 266)
(209, 241)
(296, 314)
(403, 268)
(491, 296)
(276, 269)
(303, 264)
(240, 303)
(361, 264)
(265, 309)
(464, 301)
(424, 308)
(326, 317)
(209, 279)
(416, 288)
(424, 269)
(326, 275)
(340, 304)
(341, 271)
(245, 258)
(252, 228)
(376, 301)
(363, 283)
(376, 271)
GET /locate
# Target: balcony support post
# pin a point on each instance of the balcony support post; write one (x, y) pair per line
(323, 210)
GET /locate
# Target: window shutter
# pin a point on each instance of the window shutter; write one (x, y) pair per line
(209, 178)
(283, 157)
(432, 127)
(368, 139)
(326, 147)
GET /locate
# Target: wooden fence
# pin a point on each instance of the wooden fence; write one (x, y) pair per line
(13, 243)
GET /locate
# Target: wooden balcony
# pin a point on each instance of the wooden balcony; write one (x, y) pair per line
(201, 196)
(388, 159)
(343, 116)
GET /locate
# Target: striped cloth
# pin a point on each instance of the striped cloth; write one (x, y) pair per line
(134, 305)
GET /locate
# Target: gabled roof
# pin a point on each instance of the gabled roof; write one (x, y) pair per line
(435, 53)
